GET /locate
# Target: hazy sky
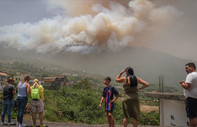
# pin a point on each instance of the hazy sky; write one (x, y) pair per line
(171, 29)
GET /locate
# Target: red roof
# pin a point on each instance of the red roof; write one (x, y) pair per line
(3, 74)
(49, 79)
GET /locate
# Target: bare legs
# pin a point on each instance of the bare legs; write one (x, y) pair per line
(110, 119)
(193, 122)
(41, 117)
(125, 122)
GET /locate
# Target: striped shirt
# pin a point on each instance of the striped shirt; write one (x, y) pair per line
(108, 94)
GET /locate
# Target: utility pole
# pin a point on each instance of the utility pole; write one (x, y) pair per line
(161, 83)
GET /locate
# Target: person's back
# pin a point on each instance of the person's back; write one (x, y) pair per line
(7, 100)
(37, 104)
(7, 92)
(37, 92)
(130, 88)
(22, 90)
(130, 100)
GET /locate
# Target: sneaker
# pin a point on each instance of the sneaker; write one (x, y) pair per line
(22, 125)
(2, 123)
(12, 123)
(43, 125)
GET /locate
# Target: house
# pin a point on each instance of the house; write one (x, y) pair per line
(19, 77)
(171, 108)
(3, 78)
(55, 82)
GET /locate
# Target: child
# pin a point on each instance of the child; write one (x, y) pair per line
(108, 93)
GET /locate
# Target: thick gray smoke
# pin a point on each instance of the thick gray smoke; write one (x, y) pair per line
(91, 26)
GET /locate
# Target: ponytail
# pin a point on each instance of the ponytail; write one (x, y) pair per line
(5, 84)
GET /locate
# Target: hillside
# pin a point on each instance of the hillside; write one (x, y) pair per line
(148, 64)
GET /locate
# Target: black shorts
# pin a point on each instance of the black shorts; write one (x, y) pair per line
(191, 107)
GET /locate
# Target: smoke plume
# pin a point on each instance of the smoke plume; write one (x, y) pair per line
(91, 26)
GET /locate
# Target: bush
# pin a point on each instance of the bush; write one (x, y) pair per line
(80, 105)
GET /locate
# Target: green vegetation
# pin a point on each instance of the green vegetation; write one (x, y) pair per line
(79, 104)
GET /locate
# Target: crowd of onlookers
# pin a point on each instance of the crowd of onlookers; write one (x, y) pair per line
(23, 90)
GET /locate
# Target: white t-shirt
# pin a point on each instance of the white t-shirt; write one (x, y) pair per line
(192, 91)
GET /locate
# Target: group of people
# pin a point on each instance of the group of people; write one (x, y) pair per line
(23, 89)
(130, 99)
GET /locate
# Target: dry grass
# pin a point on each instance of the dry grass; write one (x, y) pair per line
(148, 108)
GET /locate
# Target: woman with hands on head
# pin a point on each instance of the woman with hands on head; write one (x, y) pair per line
(130, 101)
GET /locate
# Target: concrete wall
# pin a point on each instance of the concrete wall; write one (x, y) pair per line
(172, 113)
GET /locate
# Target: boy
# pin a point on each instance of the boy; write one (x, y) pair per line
(108, 93)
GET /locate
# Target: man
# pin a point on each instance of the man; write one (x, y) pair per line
(190, 93)
(108, 93)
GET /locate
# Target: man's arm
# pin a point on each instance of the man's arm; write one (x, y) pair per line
(185, 85)
(115, 98)
(101, 102)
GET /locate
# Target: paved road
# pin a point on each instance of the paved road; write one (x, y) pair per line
(55, 124)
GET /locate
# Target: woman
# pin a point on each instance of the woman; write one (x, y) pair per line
(130, 101)
(37, 105)
(8, 100)
(23, 89)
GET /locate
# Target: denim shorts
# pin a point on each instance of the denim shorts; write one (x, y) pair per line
(191, 107)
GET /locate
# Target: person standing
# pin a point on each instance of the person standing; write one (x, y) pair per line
(107, 95)
(8, 100)
(37, 105)
(130, 101)
(190, 93)
(23, 90)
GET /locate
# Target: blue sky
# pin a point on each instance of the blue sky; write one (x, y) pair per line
(23, 11)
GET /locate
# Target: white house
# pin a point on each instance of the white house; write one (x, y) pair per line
(171, 108)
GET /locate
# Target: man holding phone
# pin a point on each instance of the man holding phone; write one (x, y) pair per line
(190, 93)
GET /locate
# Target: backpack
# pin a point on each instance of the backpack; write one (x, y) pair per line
(35, 92)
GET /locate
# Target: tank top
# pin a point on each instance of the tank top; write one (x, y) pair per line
(130, 91)
(22, 91)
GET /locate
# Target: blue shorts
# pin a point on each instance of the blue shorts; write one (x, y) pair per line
(191, 107)
(111, 111)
